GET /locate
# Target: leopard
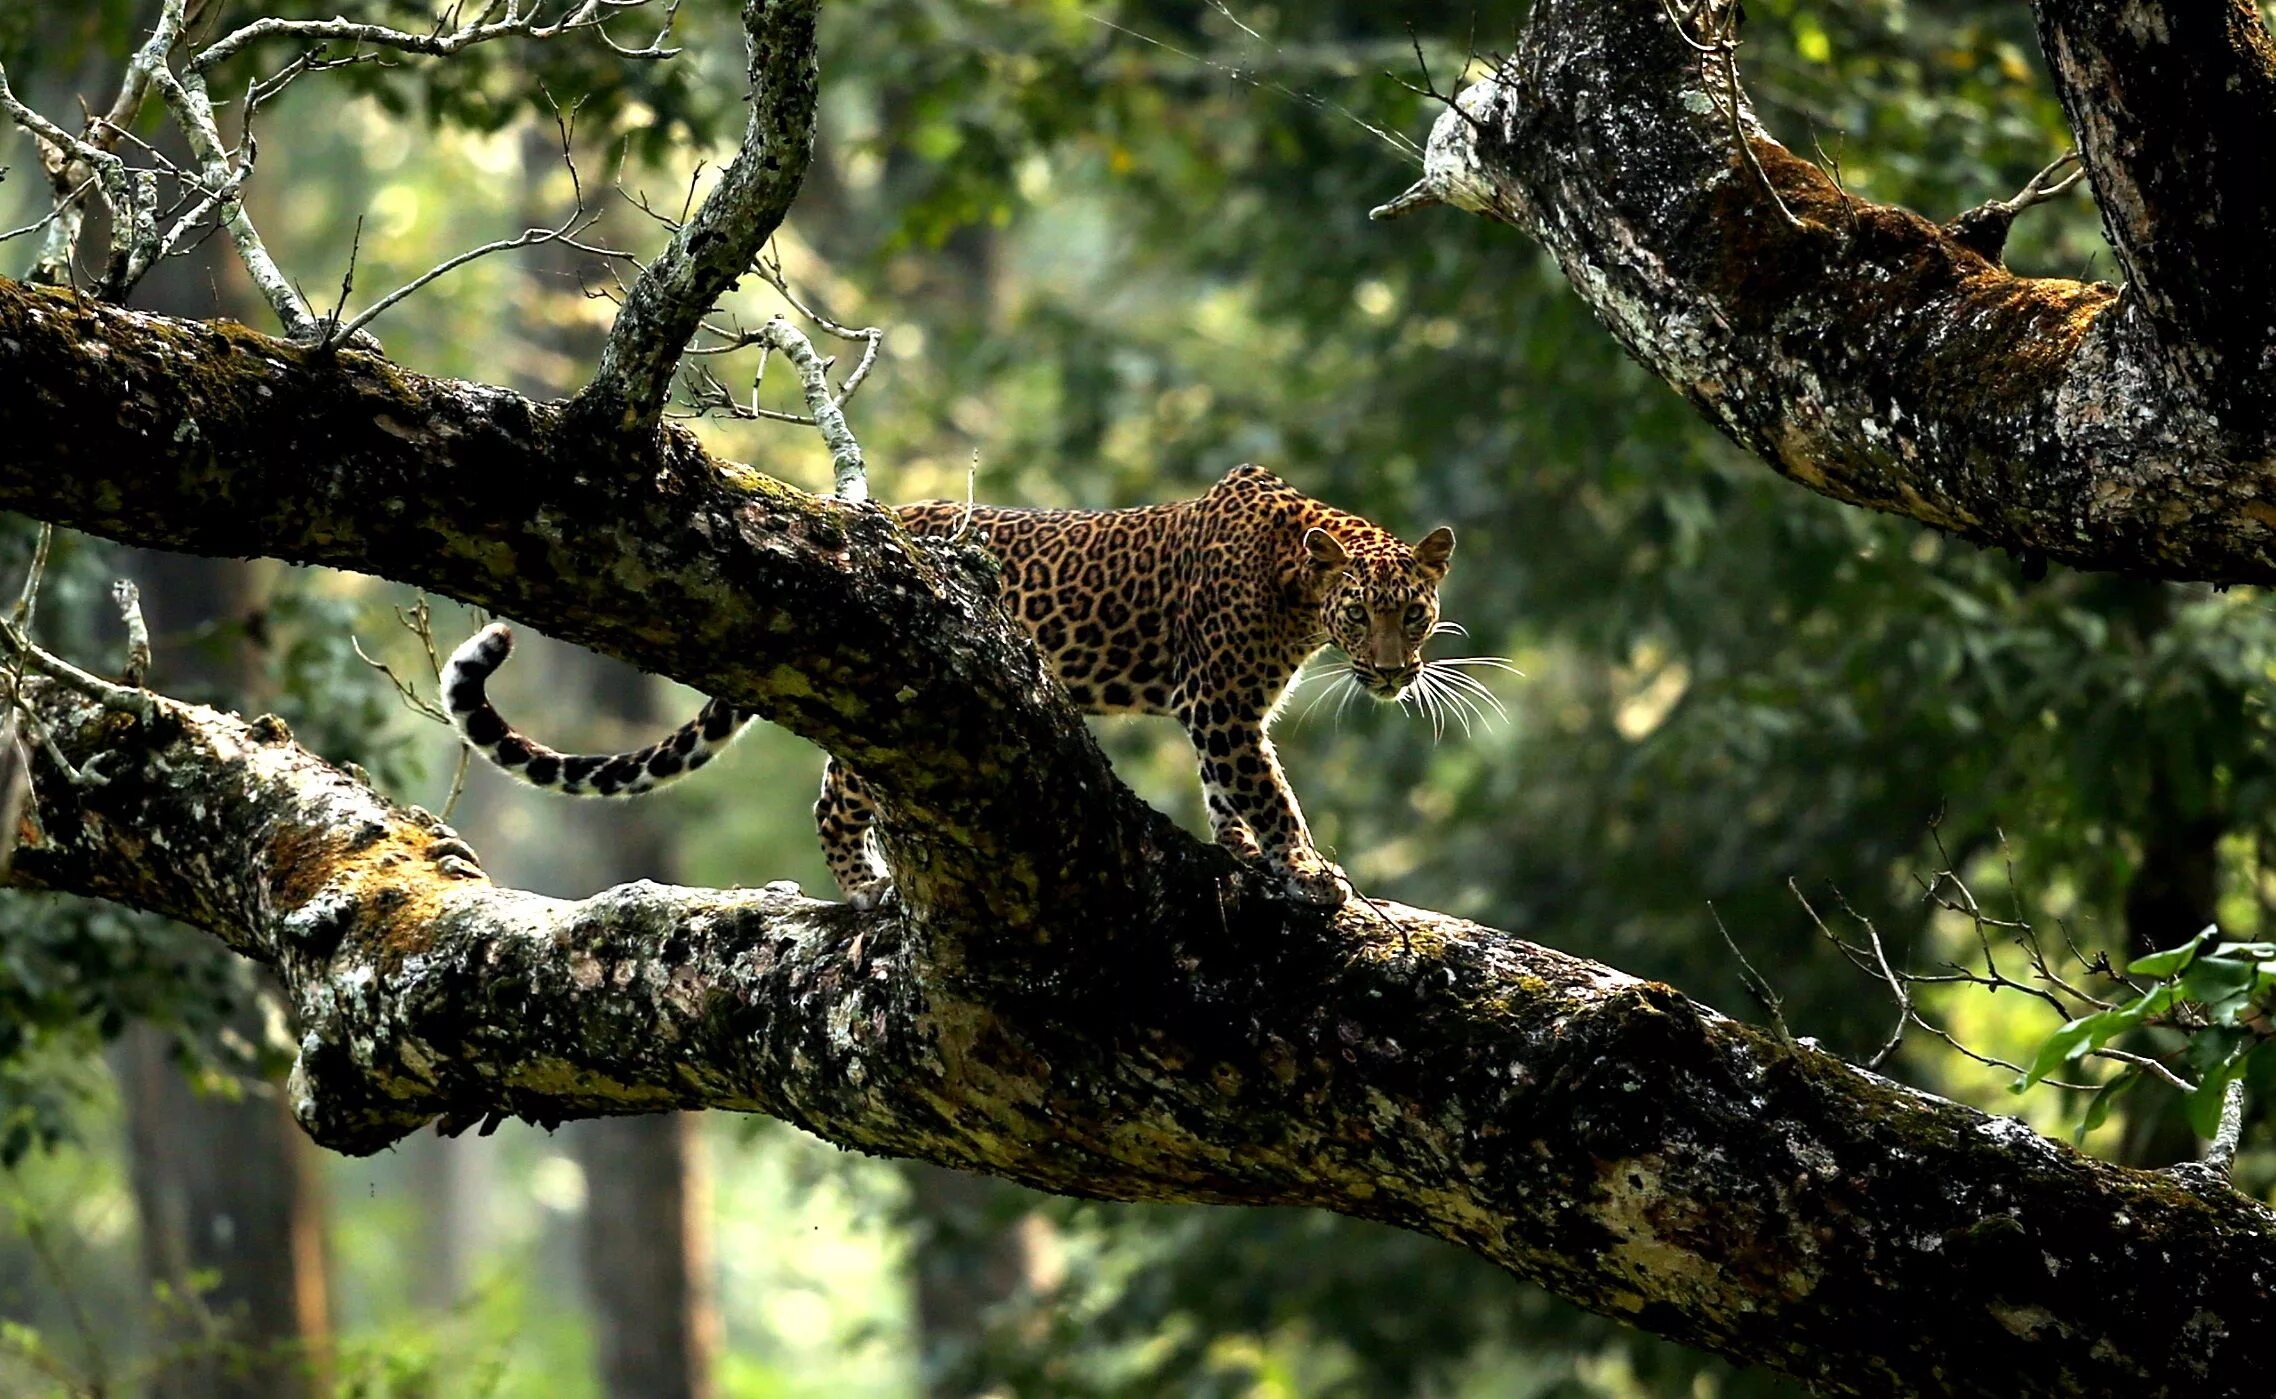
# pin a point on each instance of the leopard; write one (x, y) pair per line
(1200, 610)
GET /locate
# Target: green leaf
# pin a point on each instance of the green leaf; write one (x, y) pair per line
(2216, 979)
(2060, 1048)
(2087, 1032)
(2204, 1105)
(2215, 1050)
(2247, 951)
(2106, 1097)
(2171, 960)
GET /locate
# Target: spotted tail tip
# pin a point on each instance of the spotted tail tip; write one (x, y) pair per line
(472, 663)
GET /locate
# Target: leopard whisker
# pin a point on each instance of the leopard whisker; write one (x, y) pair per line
(1424, 706)
(1447, 702)
(1340, 672)
(1456, 675)
(1448, 629)
(1464, 706)
(1440, 714)
(1454, 680)
(1476, 698)
(1489, 662)
(1468, 684)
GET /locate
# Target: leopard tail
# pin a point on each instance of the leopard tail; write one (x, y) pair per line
(486, 731)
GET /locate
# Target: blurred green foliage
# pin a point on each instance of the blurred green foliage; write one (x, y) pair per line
(1121, 246)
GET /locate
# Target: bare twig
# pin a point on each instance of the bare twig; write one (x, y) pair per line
(27, 599)
(521, 19)
(1757, 985)
(129, 221)
(1888, 974)
(2146, 1064)
(77, 193)
(1401, 144)
(872, 338)
(712, 396)
(566, 232)
(971, 495)
(192, 109)
(15, 787)
(1985, 227)
(1874, 963)
(412, 699)
(717, 243)
(1718, 44)
(418, 619)
(851, 482)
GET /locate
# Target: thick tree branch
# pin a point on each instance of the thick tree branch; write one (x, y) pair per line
(819, 614)
(1602, 1136)
(728, 231)
(2174, 104)
(1863, 350)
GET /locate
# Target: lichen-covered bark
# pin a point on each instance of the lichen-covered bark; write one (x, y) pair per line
(1870, 353)
(820, 615)
(1072, 994)
(2173, 105)
(1606, 1137)
(718, 244)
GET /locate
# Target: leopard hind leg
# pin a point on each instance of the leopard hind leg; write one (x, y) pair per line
(844, 816)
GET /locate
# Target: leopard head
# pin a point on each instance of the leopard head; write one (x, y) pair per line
(1381, 602)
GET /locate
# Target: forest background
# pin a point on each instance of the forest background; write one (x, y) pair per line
(1117, 248)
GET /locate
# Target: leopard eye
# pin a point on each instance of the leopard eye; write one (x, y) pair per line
(1355, 615)
(1416, 612)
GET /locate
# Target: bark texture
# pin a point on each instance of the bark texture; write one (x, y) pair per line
(817, 614)
(1072, 994)
(716, 247)
(1875, 355)
(1603, 1136)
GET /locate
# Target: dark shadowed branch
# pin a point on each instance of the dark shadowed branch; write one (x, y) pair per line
(1882, 358)
(1073, 994)
(717, 245)
(1603, 1136)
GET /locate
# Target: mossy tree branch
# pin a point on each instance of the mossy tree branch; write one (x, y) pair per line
(1072, 994)
(1875, 356)
(1602, 1136)
(820, 615)
(723, 239)
(2173, 105)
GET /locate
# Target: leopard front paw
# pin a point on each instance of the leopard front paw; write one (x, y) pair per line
(1314, 883)
(870, 894)
(1242, 846)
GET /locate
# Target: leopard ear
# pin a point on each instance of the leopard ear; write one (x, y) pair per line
(1326, 550)
(1436, 548)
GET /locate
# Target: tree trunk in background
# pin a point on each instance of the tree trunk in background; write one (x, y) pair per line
(646, 1240)
(226, 1190)
(451, 1178)
(647, 1255)
(227, 1195)
(2176, 886)
(2175, 891)
(975, 1243)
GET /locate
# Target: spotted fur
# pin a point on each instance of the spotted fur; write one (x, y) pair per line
(1202, 610)
(684, 750)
